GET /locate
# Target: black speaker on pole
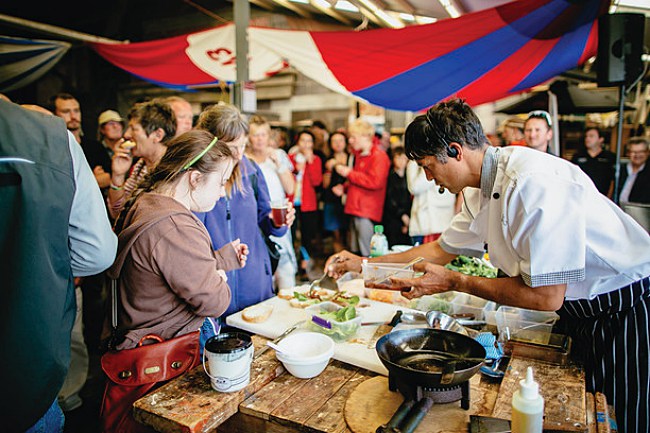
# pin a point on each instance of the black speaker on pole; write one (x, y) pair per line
(620, 46)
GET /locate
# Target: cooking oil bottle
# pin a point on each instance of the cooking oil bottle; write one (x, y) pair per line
(527, 406)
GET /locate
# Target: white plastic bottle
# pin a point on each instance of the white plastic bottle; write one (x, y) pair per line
(527, 406)
(378, 242)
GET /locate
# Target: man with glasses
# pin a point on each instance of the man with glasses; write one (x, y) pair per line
(635, 176)
(563, 246)
(538, 130)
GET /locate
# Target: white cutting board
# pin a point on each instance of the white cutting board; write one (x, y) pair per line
(353, 352)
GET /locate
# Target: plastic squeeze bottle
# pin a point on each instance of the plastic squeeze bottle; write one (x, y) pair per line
(527, 406)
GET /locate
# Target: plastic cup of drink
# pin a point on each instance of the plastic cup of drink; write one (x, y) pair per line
(279, 209)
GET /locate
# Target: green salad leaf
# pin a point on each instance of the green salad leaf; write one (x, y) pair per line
(472, 266)
(341, 315)
(299, 296)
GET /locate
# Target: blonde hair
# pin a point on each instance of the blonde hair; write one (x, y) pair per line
(362, 127)
(258, 120)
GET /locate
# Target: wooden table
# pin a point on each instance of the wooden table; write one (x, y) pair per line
(277, 402)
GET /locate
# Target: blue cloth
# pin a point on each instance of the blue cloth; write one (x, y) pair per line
(51, 422)
(242, 217)
(493, 349)
(209, 329)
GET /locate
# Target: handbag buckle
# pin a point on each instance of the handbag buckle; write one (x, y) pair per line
(152, 370)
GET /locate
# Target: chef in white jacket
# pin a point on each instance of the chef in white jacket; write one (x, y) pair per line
(563, 246)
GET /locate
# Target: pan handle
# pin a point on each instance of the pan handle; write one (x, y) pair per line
(448, 372)
(397, 418)
(415, 416)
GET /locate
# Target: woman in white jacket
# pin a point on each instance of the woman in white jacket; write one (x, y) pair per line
(431, 211)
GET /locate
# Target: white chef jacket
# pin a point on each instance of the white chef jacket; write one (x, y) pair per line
(541, 217)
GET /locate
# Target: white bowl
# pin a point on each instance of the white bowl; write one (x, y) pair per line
(307, 353)
(401, 248)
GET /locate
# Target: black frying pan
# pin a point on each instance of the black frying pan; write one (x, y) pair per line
(414, 356)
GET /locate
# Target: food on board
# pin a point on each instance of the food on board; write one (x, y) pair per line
(257, 313)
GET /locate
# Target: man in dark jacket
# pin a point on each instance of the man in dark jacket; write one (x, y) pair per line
(635, 176)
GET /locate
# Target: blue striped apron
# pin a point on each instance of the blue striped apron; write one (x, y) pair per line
(611, 336)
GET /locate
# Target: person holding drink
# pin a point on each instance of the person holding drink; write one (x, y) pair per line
(279, 211)
(276, 167)
(244, 213)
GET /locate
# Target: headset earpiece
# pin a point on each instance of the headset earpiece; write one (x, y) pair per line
(452, 152)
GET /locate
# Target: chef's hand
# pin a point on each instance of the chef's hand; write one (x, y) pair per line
(435, 280)
(242, 251)
(342, 262)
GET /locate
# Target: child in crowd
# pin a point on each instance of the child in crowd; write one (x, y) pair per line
(397, 207)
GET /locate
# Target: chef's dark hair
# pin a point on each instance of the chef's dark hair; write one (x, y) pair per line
(430, 134)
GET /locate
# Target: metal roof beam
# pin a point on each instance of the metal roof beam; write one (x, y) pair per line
(330, 11)
(58, 31)
(298, 10)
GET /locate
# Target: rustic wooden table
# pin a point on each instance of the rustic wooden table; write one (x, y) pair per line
(276, 402)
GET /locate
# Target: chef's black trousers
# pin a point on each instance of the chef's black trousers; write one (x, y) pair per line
(611, 336)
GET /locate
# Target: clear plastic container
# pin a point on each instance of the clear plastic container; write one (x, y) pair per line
(338, 331)
(522, 323)
(375, 272)
(438, 302)
(472, 307)
(352, 283)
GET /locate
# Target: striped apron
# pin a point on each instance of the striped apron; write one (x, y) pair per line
(611, 336)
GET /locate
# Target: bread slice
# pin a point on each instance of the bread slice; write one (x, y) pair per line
(257, 313)
(285, 294)
(295, 303)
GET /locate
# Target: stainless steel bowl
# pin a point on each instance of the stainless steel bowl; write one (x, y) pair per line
(439, 320)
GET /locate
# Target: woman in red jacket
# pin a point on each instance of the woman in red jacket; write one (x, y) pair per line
(365, 185)
(309, 176)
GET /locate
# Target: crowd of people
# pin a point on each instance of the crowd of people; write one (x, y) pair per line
(177, 209)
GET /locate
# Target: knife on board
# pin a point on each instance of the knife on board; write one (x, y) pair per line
(384, 329)
(279, 337)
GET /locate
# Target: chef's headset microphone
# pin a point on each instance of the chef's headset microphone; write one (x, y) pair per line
(452, 152)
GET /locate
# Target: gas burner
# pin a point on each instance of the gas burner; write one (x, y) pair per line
(441, 395)
(418, 400)
(438, 395)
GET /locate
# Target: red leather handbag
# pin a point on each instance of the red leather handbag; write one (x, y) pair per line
(132, 373)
